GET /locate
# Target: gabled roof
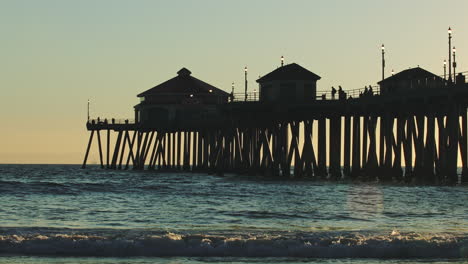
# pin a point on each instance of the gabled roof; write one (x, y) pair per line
(412, 74)
(183, 83)
(291, 71)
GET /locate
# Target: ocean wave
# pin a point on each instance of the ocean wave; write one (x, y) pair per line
(48, 187)
(314, 245)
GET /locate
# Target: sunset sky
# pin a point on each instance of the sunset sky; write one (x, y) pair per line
(55, 54)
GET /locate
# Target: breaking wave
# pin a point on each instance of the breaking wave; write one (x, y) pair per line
(315, 245)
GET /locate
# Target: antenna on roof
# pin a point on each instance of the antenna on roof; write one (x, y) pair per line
(282, 61)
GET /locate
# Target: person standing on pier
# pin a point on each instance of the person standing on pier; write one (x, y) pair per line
(341, 93)
(333, 92)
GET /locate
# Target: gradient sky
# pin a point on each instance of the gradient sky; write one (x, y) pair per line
(55, 54)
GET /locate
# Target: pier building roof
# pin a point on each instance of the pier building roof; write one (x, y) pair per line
(417, 73)
(291, 71)
(183, 83)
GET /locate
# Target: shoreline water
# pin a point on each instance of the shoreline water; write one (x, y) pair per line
(63, 211)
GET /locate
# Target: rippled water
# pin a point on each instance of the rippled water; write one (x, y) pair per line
(65, 211)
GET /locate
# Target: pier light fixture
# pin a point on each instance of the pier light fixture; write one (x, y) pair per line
(445, 69)
(383, 61)
(393, 72)
(210, 91)
(282, 61)
(232, 88)
(450, 55)
(454, 50)
(245, 79)
(191, 95)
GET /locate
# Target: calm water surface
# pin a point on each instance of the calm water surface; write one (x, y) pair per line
(62, 214)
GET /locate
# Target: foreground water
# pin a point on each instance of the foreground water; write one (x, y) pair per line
(62, 214)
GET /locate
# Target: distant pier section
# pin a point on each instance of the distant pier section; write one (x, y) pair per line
(411, 127)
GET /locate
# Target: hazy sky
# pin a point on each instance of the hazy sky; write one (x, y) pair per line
(57, 54)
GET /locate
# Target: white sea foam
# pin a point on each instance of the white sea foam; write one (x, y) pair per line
(318, 245)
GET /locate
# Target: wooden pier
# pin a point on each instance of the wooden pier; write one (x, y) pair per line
(419, 135)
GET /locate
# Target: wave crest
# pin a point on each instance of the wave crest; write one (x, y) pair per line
(318, 245)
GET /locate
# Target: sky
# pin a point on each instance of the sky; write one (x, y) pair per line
(57, 54)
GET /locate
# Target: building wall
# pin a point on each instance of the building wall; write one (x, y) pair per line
(288, 91)
(175, 115)
(404, 86)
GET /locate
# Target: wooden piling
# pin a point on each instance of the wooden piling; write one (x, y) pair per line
(356, 157)
(322, 148)
(87, 149)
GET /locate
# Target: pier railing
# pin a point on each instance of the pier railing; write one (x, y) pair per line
(320, 95)
(242, 97)
(111, 121)
(348, 94)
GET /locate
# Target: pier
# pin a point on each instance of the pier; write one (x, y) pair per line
(410, 128)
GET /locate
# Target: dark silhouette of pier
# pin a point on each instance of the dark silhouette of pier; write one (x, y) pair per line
(412, 127)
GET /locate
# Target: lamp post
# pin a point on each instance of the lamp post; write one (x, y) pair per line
(245, 77)
(454, 50)
(88, 110)
(393, 72)
(445, 69)
(383, 61)
(282, 61)
(232, 92)
(450, 50)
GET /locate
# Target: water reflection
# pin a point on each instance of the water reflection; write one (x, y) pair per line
(364, 201)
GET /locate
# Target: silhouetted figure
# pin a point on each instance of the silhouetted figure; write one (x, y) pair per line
(333, 92)
(366, 92)
(371, 92)
(324, 96)
(340, 93)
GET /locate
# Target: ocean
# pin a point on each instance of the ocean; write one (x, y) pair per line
(64, 214)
